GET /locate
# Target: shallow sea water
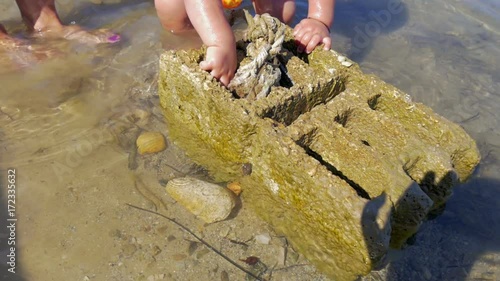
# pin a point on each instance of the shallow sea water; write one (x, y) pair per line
(66, 126)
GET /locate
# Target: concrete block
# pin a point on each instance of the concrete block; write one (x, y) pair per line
(342, 163)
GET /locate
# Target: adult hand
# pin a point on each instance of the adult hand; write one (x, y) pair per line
(220, 62)
(311, 32)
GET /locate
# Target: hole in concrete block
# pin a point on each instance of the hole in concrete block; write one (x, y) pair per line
(286, 105)
(305, 142)
(285, 80)
(343, 117)
(373, 102)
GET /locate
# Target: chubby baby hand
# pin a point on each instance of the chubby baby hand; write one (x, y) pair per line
(220, 62)
(311, 32)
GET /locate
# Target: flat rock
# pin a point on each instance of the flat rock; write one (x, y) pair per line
(209, 202)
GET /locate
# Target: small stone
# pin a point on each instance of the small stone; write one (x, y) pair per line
(116, 233)
(209, 202)
(281, 256)
(139, 116)
(224, 276)
(346, 63)
(224, 231)
(235, 187)
(200, 254)
(293, 257)
(192, 247)
(263, 238)
(156, 250)
(162, 230)
(179, 257)
(150, 142)
(129, 250)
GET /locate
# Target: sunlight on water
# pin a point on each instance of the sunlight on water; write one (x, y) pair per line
(67, 124)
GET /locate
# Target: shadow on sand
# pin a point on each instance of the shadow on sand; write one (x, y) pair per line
(463, 236)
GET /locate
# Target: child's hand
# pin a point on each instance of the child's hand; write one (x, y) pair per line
(309, 33)
(220, 62)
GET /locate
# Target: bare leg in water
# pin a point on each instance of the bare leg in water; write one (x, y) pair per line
(40, 16)
(42, 20)
(15, 53)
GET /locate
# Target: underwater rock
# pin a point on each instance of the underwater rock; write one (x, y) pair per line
(150, 142)
(235, 187)
(343, 164)
(209, 202)
(263, 238)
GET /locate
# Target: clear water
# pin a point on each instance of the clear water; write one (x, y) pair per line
(59, 121)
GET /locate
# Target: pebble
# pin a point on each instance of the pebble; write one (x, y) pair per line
(201, 253)
(209, 202)
(235, 187)
(346, 63)
(224, 231)
(129, 250)
(179, 257)
(343, 60)
(224, 276)
(156, 277)
(263, 238)
(150, 142)
(282, 256)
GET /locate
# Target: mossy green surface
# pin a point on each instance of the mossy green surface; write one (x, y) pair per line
(341, 161)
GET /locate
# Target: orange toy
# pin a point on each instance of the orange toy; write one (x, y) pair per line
(231, 4)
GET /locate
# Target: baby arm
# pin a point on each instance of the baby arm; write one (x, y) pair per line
(315, 29)
(207, 17)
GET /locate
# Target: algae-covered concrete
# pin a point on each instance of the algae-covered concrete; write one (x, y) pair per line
(342, 163)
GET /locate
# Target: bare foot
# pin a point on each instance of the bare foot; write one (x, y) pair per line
(41, 18)
(16, 53)
(78, 34)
